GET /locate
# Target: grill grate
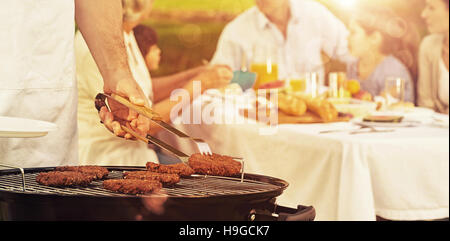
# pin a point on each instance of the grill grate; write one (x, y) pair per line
(195, 186)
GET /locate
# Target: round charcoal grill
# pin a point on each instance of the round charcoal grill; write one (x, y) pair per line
(193, 198)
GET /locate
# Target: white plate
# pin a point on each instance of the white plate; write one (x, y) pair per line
(12, 127)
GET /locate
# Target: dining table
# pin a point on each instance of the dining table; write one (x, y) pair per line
(347, 171)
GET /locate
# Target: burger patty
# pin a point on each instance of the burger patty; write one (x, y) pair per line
(180, 169)
(215, 165)
(63, 179)
(132, 186)
(96, 171)
(164, 178)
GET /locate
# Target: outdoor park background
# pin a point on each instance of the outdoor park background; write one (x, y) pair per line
(189, 29)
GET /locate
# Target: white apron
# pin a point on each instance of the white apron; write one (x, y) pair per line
(37, 79)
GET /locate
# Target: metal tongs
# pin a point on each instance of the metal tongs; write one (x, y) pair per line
(100, 101)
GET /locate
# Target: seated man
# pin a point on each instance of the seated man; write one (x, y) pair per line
(299, 30)
(96, 144)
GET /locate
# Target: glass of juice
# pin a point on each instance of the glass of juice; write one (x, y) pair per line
(307, 83)
(264, 64)
(298, 82)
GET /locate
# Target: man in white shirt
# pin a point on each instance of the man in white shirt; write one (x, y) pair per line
(299, 29)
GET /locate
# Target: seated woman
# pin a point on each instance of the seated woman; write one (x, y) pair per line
(383, 51)
(433, 80)
(96, 144)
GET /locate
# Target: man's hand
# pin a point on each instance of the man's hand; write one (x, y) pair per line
(215, 77)
(125, 86)
(100, 22)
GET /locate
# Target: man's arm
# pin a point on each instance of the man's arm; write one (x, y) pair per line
(100, 22)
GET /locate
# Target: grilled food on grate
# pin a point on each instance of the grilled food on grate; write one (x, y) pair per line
(96, 171)
(164, 178)
(64, 179)
(132, 186)
(215, 165)
(179, 169)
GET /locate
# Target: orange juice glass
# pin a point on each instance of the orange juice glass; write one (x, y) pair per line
(298, 84)
(266, 73)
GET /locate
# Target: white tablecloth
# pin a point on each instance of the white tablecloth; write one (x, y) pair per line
(403, 175)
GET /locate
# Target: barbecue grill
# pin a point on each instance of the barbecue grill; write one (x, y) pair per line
(197, 198)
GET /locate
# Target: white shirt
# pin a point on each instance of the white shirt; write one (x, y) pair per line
(96, 144)
(443, 82)
(311, 29)
(37, 69)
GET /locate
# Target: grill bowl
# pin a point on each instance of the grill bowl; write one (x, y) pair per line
(194, 198)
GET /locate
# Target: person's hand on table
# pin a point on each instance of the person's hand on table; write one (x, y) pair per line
(125, 86)
(215, 77)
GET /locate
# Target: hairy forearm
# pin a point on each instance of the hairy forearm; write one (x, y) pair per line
(100, 22)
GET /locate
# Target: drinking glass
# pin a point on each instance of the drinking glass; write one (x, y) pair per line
(264, 64)
(298, 82)
(337, 84)
(313, 84)
(394, 89)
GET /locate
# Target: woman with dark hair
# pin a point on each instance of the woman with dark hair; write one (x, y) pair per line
(385, 46)
(433, 84)
(147, 40)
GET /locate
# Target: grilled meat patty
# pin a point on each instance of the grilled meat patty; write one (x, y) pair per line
(132, 186)
(63, 179)
(180, 169)
(215, 165)
(96, 171)
(164, 178)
